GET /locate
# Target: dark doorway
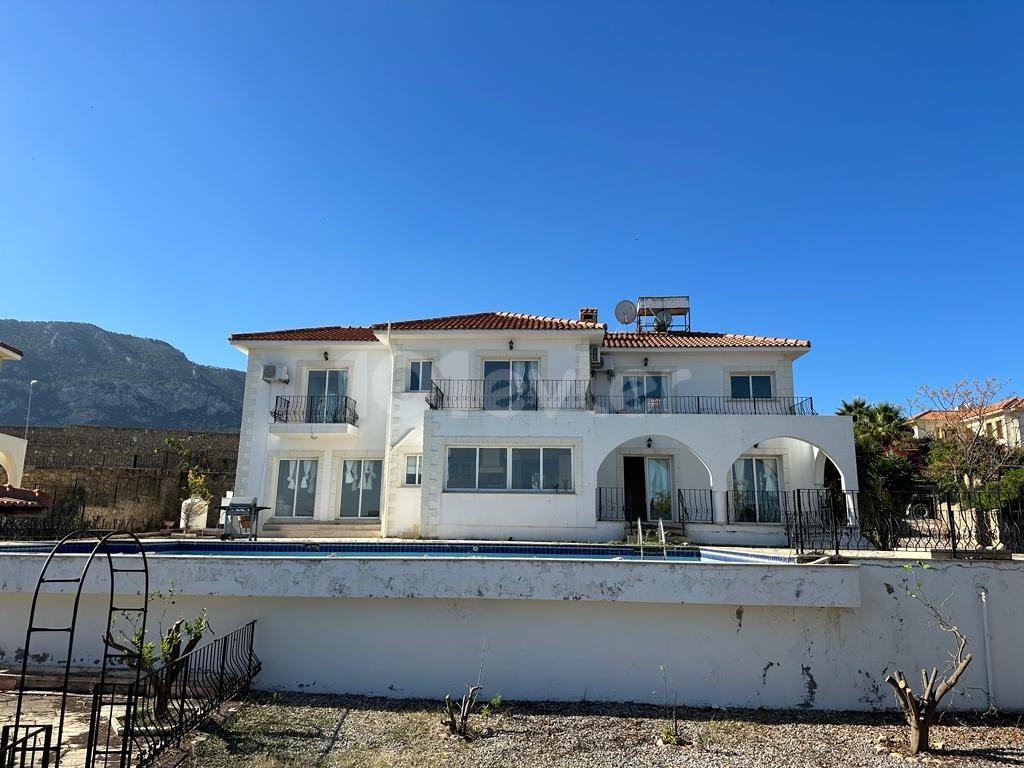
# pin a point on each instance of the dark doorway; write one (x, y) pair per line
(634, 475)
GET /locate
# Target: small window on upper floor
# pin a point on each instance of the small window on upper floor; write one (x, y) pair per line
(420, 375)
(746, 386)
(414, 470)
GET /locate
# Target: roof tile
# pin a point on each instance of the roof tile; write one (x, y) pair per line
(493, 321)
(326, 333)
(694, 339)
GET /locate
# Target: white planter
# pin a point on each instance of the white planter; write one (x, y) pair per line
(193, 513)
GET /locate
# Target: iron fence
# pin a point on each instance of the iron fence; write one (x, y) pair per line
(704, 404)
(755, 506)
(134, 725)
(26, 746)
(315, 409)
(505, 395)
(961, 522)
(695, 505)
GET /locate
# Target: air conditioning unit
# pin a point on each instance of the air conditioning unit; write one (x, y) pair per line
(275, 373)
(595, 357)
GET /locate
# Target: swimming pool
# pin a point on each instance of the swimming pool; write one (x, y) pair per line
(416, 550)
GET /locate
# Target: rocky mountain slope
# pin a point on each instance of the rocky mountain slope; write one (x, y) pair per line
(87, 375)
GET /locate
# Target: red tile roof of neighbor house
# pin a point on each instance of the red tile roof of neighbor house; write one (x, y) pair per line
(493, 321)
(9, 348)
(12, 497)
(675, 339)
(936, 414)
(326, 333)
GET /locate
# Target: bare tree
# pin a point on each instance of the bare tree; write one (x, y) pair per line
(965, 455)
(919, 709)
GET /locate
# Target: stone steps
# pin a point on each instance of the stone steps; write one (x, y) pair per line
(321, 529)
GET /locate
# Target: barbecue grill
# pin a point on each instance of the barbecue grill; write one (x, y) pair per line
(240, 515)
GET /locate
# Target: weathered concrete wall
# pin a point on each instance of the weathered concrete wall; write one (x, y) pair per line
(773, 636)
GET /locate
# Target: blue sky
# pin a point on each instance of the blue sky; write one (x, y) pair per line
(850, 173)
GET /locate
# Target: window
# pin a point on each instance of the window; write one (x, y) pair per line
(360, 488)
(510, 469)
(988, 429)
(414, 470)
(755, 496)
(325, 396)
(420, 375)
(747, 386)
(999, 429)
(296, 488)
(645, 394)
(511, 385)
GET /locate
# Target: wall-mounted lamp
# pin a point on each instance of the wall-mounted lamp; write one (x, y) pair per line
(755, 445)
(645, 362)
(611, 374)
(325, 354)
(511, 345)
(650, 442)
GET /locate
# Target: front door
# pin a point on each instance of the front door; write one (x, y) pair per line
(635, 485)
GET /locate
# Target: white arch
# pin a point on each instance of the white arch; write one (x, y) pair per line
(12, 457)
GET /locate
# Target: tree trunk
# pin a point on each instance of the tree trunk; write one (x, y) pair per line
(919, 729)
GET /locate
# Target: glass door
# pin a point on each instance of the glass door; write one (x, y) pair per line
(360, 488)
(325, 393)
(296, 488)
(644, 394)
(510, 385)
(659, 488)
(756, 492)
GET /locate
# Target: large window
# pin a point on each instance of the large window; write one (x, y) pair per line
(756, 495)
(746, 386)
(421, 374)
(296, 488)
(510, 469)
(360, 488)
(511, 385)
(645, 394)
(325, 396)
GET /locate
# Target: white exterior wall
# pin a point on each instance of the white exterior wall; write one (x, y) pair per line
(12, 457)
(728, 635)
(395, 424)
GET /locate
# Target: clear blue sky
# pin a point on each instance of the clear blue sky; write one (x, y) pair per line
(849, 173)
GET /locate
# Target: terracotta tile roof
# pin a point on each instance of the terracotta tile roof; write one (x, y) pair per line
(12, 497)
(935, 414)
(326, 333)
(695, 339)
(9, 348)
(493, 321)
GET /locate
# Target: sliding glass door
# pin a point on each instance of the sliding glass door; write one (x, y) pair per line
(360, 488)
(325, 394)
(296, 488)
(510, 385)
(756, 492)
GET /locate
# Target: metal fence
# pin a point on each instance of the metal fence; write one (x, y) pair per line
(505, 395)
(959, 522)
(26, 746)
(693, 505)
(132, 726)
(704, 404)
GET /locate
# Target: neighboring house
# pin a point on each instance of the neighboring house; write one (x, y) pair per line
(508, 426)
(1003, 421)
(12, 449)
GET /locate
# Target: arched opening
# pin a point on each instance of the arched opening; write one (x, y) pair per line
(654, 478)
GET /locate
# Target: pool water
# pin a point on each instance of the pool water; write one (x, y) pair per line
(415, 550)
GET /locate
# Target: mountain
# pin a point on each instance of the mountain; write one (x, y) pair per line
(87, 375)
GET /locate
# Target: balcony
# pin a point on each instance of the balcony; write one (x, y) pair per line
(704, 404)
(317, 409)
(505, 395)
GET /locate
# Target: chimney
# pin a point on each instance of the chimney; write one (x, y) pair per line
(588, 314)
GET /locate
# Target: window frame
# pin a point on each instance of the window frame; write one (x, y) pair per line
(417, 472)
(417, 365)
(750, 376)
(508, 488)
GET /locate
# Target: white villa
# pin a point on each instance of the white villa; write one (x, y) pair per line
(499, 425)
(12, 449)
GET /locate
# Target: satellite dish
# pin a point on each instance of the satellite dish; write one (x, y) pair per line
(662, 320)
(625, 311)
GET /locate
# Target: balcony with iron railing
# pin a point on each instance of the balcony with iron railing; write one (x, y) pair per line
(577, 395)
(315, 409)
(704, 404)
(505, 395)
(693, 505)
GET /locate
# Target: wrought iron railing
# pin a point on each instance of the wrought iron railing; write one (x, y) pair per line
(50, 527)
(171, 701)
(505, 395)
(695, 505)
(755, 506)
(26, 746)
(968, 521)
(315, 409)
(704, 404)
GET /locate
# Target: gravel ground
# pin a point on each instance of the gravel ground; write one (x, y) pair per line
(294, 730)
